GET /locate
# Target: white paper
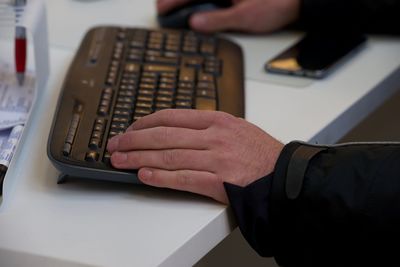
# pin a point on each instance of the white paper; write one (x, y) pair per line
(4, 136)
(8, 147)
(15, 100)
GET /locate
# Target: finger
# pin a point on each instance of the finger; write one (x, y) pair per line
(157, 138)
(233, 18)
(169, 159)
(184, 118)
(203, 183)
(163, 6)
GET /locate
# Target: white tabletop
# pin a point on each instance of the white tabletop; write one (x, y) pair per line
(88, 223)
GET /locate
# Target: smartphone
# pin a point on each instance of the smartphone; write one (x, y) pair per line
(316, 55)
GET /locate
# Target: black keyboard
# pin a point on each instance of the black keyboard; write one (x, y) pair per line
(122, 74)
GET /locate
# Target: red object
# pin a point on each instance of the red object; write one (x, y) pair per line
(20, 55)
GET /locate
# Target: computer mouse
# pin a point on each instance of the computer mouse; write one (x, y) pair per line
(179, 17)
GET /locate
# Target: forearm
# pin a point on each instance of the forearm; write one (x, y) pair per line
(369, 16)
(345, 200)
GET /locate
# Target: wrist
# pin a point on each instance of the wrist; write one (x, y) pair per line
(273, 156)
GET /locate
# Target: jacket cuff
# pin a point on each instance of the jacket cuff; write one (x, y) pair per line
(290, 170)
(286, 186)
(250, 207)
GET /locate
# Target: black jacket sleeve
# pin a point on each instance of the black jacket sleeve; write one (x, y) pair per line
(368, 16)
(325, 206)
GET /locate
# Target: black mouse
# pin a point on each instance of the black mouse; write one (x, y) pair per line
(179, 17)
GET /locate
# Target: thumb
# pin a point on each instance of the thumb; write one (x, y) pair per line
(220, 20)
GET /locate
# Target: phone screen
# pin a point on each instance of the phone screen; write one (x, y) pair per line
(315, 55)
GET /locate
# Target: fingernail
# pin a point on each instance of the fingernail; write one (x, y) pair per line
(112, 144)
(119, 158)
(199, 21)
(146, 174)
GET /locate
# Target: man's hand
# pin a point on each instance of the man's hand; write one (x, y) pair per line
(195, 151)
(254, 16)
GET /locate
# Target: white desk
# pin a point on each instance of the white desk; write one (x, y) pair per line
(86, 223)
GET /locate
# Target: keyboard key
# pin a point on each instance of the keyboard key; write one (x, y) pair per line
(183, 104)
(195, 62)
(186, 85)
(143, 104)
(184, 97)
(173, 48)
(94, 143)
(117, 119)
(98, 127)
(159, 68)
(187, 75)
(124, 113)
(163, 98)
(143, 111)
(102, 111)
(206, 103)
(206, 93)
(184, 91)
(206, 86)
(143, 91)
(148, 86)
(206, 77)
(166, 86)
(91, 156)
(73, 127)
(96, 134)
(208, 48)
(132, 67)
(107, 158)
(125, 100)
(145, 98)
(67, 149)
(148, 80)
(123, 106)
(165, 92)
(115, 126)
(168, 80)
(152, 75)
(162, 60)
(163, 105)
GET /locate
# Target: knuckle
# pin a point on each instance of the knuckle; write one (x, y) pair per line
(165, 115)
(222, 118)
(126, 140)
(169, 157)
(222, 161)
(133, 160)
(183, 179)
(138, 124)
(165, 135)
(217, 141)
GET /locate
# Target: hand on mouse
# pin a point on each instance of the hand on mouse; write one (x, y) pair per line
(254, 16)
(195, 151)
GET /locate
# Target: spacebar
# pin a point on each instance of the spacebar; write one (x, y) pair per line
(159, 68)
